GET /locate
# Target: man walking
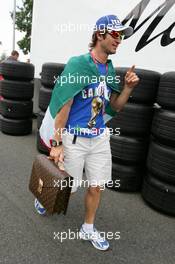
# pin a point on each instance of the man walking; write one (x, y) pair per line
(79, 109)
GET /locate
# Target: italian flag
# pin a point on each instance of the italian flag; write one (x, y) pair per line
(83, 71)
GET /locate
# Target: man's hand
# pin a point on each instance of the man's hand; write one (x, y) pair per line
(57, 154)
(131, 78)
(130, 81)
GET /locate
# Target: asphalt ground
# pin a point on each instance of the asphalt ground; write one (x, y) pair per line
(146, 236)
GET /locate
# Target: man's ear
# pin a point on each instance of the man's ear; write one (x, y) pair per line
(99, 36)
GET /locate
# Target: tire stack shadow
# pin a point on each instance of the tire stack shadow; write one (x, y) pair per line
(130, 148)
(50, 73)
(159, 184)
(16, 93)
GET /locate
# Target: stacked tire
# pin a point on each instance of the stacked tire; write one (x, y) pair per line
(159, 184)
(130, 148)
(49, 75)
(16, 93)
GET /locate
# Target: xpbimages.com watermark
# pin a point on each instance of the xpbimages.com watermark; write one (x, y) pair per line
(84, 79)
(86, 183)
(103, 132)
(80, 27)
(71, 235)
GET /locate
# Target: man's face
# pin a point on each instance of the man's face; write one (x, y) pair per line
(16, 57)
(109, 44)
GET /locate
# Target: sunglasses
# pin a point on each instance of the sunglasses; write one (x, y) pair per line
(116, 34)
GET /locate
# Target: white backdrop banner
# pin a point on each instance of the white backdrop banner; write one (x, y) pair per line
(62, 29)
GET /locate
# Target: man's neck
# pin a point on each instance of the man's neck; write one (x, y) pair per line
(100, 56)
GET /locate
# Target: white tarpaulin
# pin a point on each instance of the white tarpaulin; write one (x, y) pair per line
(62, 29)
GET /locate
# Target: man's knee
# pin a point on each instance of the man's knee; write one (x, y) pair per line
(94, 190)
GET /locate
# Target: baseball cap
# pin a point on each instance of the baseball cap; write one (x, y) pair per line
(112, 22)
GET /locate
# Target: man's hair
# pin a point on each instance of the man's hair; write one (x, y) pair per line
(14, 53)
(94, 38)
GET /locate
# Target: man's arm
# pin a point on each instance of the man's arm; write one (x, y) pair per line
(61, 119)
(117, 101)
(57, 153)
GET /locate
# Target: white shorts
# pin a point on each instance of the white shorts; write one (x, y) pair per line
(93, 154)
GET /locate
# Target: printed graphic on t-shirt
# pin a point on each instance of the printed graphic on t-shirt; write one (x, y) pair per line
(100, 90)
(88, 108)
(97, 105)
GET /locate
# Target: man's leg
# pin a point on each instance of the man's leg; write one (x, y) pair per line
(92, 200)
(87, 230)
(98, 172)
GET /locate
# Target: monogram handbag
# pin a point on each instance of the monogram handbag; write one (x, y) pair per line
(50, 185)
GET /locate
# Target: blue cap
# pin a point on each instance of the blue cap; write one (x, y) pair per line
(112, 22)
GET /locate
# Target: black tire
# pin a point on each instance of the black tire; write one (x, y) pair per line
(159, 195)
(44, 98)
(40, 117)
(14, 70)
(126, 178)
(133, 120)
(0, 121)
(166, 91)
(16, 127)
(16, 90)
(50, 71)
(128, 150)
(40, 146)
(16, 109)
(161, 162)
(163, 126)
(146, 90)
